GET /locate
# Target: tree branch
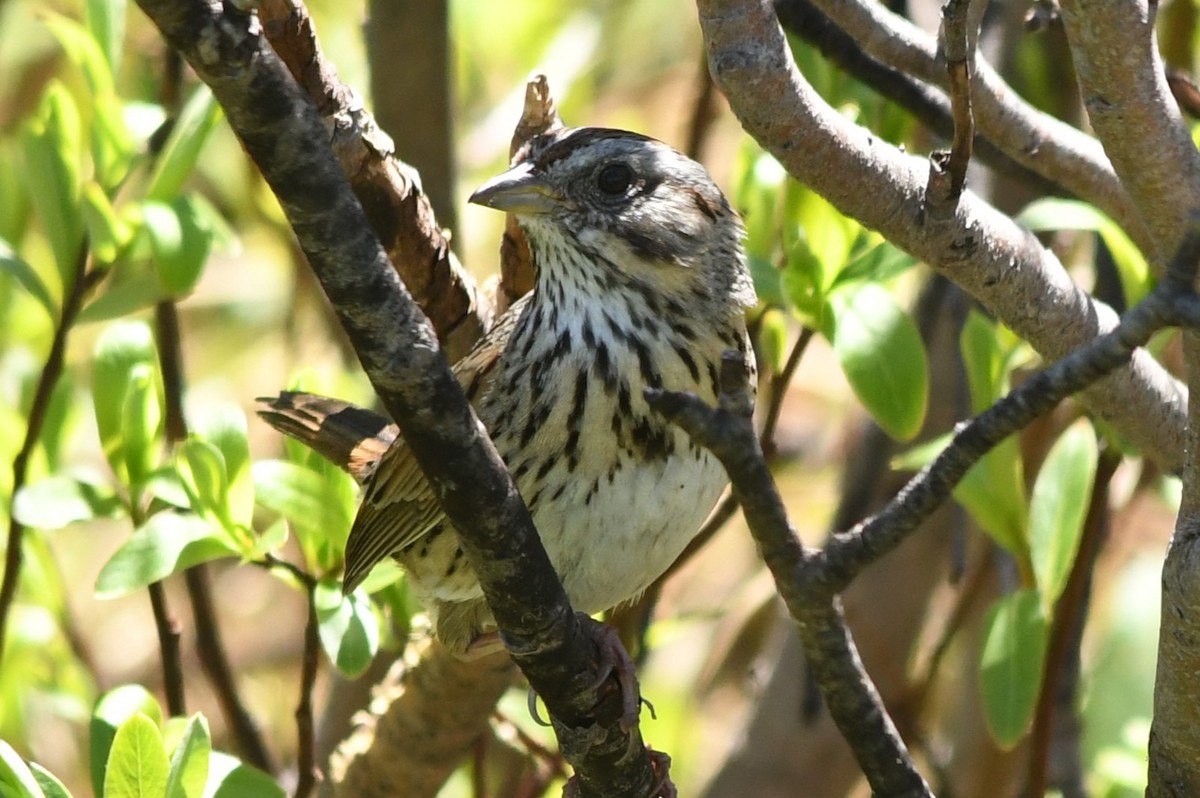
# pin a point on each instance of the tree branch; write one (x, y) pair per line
(979, 248)
(286, 138)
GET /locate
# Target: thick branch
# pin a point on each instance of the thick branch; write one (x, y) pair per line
(977, 247)
(1044, 144)
(286, 138)
(1129, 104)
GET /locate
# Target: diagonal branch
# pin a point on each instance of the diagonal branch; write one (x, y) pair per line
(286, 138)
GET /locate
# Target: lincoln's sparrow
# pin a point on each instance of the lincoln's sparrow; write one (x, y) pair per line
(640, 282)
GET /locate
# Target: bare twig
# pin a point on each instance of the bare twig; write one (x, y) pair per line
(306, 768)
(948, 171)
(853, 702)
(167, 627)
(14, 553)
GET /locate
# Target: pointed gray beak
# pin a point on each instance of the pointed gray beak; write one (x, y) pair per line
(519, 190)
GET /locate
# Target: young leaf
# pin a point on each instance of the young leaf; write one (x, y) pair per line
(1058, 507)
(1010, 670)
(28, 278)
(128, 294)
(106, 23)
(877, 264)
(189, 763)
(141, 421)
(230, 778)
(51, 786)
(61, 500)
(197, 119)
(224, 426)
(319, 505)
(137, 762)
(803, 281)
(113, 709)
(107, 233)
(52, 150)
(348, 628)
(1053, 213)
(121, 349)
(881, 353)
(15, 777)
(201, 468)
(167, 543)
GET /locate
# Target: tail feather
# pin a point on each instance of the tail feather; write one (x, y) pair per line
(350, 437)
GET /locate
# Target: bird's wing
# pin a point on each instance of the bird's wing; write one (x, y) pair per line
(399, 507)
(350, 437)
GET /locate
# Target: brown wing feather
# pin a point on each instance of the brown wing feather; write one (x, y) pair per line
(399, 507)
(350, 437)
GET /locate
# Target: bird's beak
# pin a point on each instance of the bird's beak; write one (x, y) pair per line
(520, 190)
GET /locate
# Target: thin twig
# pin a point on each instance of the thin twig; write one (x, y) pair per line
(306, 769)
(704, 112)
(14, 553)
(168, 631)
(948, 171)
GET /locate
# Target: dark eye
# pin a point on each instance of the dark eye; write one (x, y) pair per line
(615, 179)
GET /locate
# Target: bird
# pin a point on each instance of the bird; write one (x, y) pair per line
(641, 282)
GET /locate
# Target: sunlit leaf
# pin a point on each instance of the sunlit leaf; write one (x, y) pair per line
(348, 628)
(1058, 507)
(52, 151)
(320, 506)
(179, 155)
(181, 240)
(27, 278)
(141, 420)
(16, 779)
(106, 23)
(51, 786)
(877, 264)
(128, 294)
(201, 468)
(188, 773)
(112, 710)
(137, 762)
(881, 353)
(230, 778)
(1011, 666)
(1055, 213)
(122, 349)
(61, 500)
(107, 233)
(167, 543)
(224, 426)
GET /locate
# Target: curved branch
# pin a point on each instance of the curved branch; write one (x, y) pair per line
(1036, 140)
(979, 248)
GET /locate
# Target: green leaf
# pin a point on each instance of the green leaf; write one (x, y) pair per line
(992, 491)
(224, 426)
(141, 423)
(197, 119)
(881, 353)
(1011, 667)
(772, 340)
(137, 763)
(27, 278)
(319, 505)
(230, 778)
(16, 779)
(1052, 213)
(1058, 508)
(181, 239)
(877, 264)
(167, 543)
(121, 350)
(112, 145)
(201, 468)
(984, 361)
(127, 294)
(107, 234)
(348, 628)
(803, 279)
(768, 281)
(189, 763)
(50, 784)
(62, 500)
(52, 150)
(106, 23)
(113, 709)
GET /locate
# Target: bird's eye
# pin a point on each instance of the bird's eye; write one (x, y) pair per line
(615, 179)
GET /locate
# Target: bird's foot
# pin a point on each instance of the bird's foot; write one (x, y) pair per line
(615, 662)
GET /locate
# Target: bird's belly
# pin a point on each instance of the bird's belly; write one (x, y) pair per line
(609, 540)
